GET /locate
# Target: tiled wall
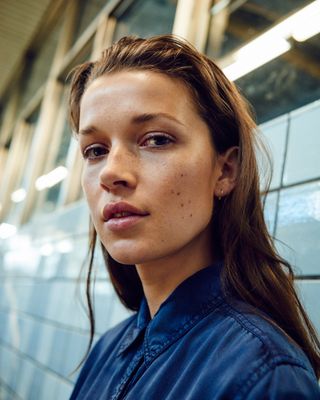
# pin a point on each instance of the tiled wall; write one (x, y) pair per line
(293, 205)
(44, 330)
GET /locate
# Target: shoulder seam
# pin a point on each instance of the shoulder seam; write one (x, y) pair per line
(270, 359)
(249, 326)
(262, 369)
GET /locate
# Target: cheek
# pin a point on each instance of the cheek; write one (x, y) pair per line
(90, 187)
(189, 190)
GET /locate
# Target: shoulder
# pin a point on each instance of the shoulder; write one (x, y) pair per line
(264, 358)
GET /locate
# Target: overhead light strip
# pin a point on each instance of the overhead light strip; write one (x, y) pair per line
(302, 25)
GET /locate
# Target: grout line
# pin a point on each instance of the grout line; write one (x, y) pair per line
(37, 363)
(39, 280)
(307, 277)
(296, 184)
(9, 389)
(46, 321)
(275, 225)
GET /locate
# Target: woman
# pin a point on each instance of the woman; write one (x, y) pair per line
(171, 179)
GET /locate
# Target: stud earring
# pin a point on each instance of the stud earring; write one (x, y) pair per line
(221, 193)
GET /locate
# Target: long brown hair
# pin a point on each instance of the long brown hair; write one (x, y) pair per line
(253, 270)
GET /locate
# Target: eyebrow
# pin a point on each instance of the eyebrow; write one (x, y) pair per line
(87, 131)
(142, 118)
(138, 120)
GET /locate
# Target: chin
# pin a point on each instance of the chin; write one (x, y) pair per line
(127, 256)
(135, 252)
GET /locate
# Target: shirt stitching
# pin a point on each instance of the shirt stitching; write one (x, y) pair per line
(270, 359)
(255, 331)
(151, 354)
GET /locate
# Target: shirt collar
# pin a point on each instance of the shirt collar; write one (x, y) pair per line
(185, 306)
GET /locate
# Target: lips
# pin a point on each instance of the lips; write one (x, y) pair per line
(121, 210)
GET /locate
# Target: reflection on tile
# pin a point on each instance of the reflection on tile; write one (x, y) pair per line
(40, 298)
(118, 312)
(57, 351)
(45, 344)
(34, 337)
(64, 391)
(76, 346)
(275, 133)
(310, 294)
(270, 210)
(24, 378)
(50, 387)
(26, 332)
(303, 161)
(37, 384)
(299, 225)
(103, 295)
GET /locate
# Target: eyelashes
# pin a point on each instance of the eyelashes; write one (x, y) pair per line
(157, 140)
(152, 141)
(94, 152)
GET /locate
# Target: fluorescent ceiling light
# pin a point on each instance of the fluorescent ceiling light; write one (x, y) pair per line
(7, 230)
(52, 178)
(299, 23)
(252, 57)
(311, 28)
(18, 195)
(273, 43)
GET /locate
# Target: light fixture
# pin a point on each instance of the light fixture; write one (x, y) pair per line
(18, 195)
(260, 51)
(301, 25)
(311, 28)
(51, 178)
(7, 230)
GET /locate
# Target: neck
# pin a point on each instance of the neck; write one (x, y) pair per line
(160, 277)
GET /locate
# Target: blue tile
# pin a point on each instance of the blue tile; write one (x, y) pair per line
(303, 161)
(309, 291)
(299, 226)
(37, 383)
(270, 211)
(275, 133)
(76, 345)
(118, 312)
(50, 387)
(64, 391)
(56, 359)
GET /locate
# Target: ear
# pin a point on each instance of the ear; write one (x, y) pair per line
(228, 170)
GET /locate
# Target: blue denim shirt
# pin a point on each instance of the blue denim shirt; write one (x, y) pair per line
(198, 346)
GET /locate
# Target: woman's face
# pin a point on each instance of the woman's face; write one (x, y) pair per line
(150, 169)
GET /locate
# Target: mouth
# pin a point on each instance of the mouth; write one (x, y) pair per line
(122, 215)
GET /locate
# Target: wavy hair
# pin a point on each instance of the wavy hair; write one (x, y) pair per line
(253, 270)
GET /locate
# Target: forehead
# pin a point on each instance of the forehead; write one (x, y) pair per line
(138, 90)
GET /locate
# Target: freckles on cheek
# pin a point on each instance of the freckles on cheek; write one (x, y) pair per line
(181, 199)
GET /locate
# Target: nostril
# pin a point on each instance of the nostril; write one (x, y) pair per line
(121, 182)
(114, 184)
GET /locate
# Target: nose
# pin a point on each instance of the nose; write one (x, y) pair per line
(118, 170)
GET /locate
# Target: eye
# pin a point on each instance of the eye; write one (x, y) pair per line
(94, 152)
(157, 140)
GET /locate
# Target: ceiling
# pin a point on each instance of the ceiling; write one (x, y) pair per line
(19, 21)
(283, 84)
